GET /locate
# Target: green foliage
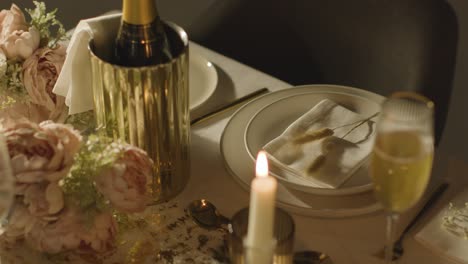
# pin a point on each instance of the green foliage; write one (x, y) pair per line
(44, 21)
(97, 154)
(6, 101)
(84, 122)
(11, 83)
(15, 78)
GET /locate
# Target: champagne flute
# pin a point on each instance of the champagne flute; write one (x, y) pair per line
(401, 159)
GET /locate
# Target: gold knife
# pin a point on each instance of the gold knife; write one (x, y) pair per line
(229, 106)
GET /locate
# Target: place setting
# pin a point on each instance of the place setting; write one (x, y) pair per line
(299, 128)
(266, 118)
(95, 138)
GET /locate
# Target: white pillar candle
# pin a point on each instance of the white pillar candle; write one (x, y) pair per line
(259, 240)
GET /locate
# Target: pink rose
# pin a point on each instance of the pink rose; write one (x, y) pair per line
(16, 40)
(40, 152)
(40, 72)
(124, 184)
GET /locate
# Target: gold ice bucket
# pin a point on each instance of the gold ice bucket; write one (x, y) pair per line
(148, 107)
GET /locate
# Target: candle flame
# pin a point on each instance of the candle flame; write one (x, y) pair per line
(262, 165)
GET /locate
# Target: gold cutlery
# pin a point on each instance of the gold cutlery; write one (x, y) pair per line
(229, 106)
(206, 215)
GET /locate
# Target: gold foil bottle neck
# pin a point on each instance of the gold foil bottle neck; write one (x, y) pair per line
(139, 12)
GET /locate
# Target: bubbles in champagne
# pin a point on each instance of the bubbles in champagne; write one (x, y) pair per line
(400, 166)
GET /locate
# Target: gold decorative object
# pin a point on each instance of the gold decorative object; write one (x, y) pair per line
(149, 108)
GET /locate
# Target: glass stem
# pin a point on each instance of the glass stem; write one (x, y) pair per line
(392, 219)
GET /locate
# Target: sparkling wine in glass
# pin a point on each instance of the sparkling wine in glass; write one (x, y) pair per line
(401, 159)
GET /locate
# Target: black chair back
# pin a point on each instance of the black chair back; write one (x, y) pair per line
(378, 45)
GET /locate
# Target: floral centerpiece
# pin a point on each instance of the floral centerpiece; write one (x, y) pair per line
(71, 191)
(31, 58)
(79, 197)
(68, 195)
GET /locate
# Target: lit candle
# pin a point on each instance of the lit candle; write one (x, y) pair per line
(259, 241)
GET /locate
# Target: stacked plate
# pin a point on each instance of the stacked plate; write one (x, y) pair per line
(202, 80)
(265, 118)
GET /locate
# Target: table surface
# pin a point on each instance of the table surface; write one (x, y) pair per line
(347, 240)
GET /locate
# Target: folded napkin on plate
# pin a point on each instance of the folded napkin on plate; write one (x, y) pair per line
(74, 81)
(446, 232)
(325, 145)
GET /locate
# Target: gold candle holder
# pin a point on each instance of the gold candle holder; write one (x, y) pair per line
(148, 107)
(283, 230)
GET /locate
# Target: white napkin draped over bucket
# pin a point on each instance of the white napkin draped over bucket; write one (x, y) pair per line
(325, 146)
(75, 81)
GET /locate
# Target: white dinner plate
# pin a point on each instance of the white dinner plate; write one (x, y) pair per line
(275, 117)
(239, 163)
(203, 79)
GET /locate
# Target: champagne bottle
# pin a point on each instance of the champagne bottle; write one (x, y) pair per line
(141, 40)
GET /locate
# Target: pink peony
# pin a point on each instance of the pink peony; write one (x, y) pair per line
(124, 184)
(21, 44)
(17, 40)
(70, 138)
(20, 222)
(70, 232)
(3, 63)
(101, 236)
(44, 200)
(10, 21)
(30, 111)
(58, 236)
(40, 152)
(40, 72)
